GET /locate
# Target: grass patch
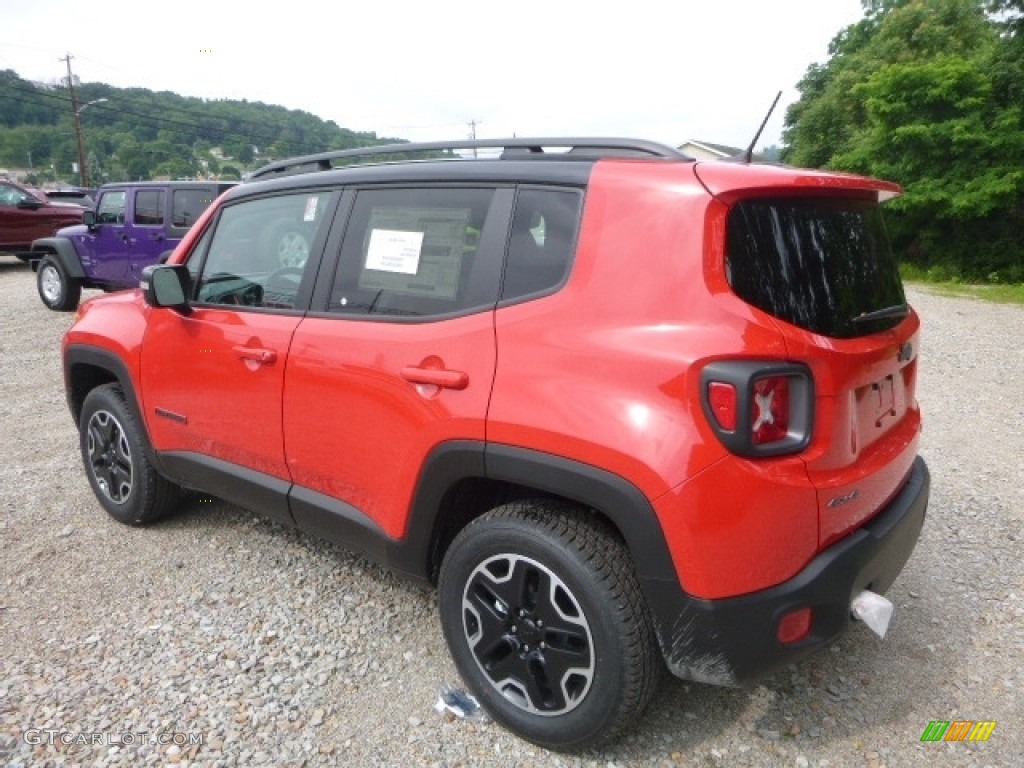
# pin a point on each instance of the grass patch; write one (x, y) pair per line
(999, 293)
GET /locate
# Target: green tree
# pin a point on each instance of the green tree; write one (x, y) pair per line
(923, 92)
(95, 169)
(239, 150)
(133, 160)
(1011, 12)
(136, 131)
(210, 163)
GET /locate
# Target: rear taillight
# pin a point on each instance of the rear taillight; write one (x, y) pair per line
(770, 414)
(722, 399)
(758, 408)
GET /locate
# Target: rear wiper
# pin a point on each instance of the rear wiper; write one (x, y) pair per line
(897, 310)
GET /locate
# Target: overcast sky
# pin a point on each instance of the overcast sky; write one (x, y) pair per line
(663, 70)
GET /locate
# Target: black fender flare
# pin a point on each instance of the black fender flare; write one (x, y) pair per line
(619, 500)
(96, 358)
(62, 250)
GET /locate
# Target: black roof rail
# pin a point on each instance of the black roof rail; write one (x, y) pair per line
(516, 148)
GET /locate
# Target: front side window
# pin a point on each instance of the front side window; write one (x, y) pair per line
(149, 207)
(416, 252)
(111, 208)
(256, 254)
(11, 195)
(822, 264)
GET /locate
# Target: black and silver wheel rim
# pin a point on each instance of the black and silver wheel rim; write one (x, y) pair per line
(528, 634)
(50, 283)
(292, 249)
(110, 457)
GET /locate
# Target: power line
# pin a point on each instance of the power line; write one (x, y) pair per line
(152, 121)
(184, 110)
(196, 112)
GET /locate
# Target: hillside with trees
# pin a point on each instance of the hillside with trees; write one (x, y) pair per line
(141, 134)
(928, 93)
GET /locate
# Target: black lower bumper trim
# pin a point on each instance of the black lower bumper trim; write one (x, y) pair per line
(731, 640)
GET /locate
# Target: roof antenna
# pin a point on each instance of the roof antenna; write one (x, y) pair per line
(748, 156)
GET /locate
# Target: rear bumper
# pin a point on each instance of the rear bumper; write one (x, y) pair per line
(731, 640)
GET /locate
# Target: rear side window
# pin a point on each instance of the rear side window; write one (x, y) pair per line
(542, 241)
(187, 204)
(823, 264)
(149, 207)
(411, 253)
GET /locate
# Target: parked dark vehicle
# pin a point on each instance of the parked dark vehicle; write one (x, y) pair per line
(27, 214)
(132, 226)
(77, 195)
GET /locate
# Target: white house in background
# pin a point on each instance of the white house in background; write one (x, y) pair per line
(705, 150)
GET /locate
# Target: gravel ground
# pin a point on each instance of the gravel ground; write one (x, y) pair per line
(274, 649)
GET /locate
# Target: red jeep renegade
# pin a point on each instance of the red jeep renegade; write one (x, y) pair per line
(625, 409)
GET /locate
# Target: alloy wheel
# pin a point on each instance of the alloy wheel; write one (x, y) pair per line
(292, 249)
(110, 457)
(528, 634)
(50, 283)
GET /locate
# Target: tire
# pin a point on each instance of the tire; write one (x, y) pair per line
(544, 617)
(58, 290)
(116, 462)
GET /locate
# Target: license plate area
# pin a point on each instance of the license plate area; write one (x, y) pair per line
(885, 400)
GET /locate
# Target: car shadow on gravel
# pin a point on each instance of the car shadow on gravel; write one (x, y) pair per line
(200, 516)
(840, 693)
(847, 692)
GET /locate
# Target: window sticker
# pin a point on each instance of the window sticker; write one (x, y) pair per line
(393, 250)
(432, 266)
(311, 203)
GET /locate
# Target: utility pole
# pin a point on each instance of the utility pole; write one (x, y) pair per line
(78, 123)
(472, 131)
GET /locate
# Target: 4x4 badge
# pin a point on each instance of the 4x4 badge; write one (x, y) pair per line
(838, 501)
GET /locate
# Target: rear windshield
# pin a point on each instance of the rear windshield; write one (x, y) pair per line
(822, 264)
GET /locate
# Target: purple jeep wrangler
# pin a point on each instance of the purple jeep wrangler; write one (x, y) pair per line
(134, 224)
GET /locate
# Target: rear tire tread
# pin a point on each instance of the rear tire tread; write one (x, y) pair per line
(605, 555)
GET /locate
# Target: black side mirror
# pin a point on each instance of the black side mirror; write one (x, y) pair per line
(167, 285)
(30, 203)
(89, 219)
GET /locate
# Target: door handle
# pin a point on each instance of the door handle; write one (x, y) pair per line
(257, 354)
(438, 377)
